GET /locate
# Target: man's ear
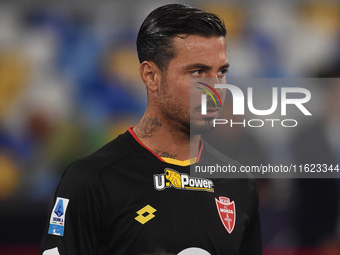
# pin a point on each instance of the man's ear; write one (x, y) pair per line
(151, 75)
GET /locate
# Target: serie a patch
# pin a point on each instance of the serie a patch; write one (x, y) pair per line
(57, 220)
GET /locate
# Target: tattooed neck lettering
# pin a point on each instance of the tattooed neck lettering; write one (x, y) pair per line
(164, 154)
(147, 126)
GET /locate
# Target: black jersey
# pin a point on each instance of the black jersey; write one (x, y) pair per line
(124, 199)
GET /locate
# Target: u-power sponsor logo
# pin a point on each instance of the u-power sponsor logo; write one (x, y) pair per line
(172, 178)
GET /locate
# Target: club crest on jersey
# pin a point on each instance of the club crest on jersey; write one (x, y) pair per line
(227, 212)
(57, 220)
(171, 178)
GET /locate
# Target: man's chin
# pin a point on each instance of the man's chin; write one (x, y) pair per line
(202, 127)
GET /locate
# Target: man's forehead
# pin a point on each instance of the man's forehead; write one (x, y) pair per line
(198, 40)
(200, 48)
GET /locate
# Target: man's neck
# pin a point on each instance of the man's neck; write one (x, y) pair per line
(164, 139)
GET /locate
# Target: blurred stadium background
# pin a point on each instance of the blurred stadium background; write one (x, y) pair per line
(69, 83)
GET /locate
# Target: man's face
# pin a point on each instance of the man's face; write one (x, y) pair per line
(197, 57)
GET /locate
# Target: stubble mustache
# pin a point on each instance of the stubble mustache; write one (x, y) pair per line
(210, 104)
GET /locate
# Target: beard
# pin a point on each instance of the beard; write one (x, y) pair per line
(201, 127)
(179, 114)
(198, 123)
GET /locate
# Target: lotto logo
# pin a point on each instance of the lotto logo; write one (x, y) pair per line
(145, 214)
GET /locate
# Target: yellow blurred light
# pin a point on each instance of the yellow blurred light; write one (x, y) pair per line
(12, 80)
(9, 176)
(324, 16)
(232, 14)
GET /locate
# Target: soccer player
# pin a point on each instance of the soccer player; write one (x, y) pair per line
(135, 195)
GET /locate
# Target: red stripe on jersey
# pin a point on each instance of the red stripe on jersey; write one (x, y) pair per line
(200, 151)
(140, 142)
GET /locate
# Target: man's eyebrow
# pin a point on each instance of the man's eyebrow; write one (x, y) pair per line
(204, 66)
(226, 66)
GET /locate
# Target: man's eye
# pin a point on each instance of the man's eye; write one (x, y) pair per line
(197, 72)
(222, 73)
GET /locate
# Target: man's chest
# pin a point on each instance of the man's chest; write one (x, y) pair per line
(167, 210)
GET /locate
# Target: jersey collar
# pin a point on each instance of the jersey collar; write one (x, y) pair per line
(170, 160)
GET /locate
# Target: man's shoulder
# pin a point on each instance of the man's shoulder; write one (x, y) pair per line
(91, 165)
(84, 177)
(213, 157)
(216, 156)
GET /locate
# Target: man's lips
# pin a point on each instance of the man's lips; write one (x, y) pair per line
(213, 112)
(215, 109)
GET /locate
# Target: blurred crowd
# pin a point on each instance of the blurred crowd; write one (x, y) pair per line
(69, 83)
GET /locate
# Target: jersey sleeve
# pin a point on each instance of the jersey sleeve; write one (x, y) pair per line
(74, 222)
(252, 241)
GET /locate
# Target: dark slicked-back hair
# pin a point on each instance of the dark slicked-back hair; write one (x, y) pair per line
(154, 41)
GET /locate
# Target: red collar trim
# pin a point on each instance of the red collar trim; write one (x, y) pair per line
(140, 142)
(200, 151)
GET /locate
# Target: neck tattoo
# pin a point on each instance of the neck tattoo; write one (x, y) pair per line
(164, 154)
(147, 127)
